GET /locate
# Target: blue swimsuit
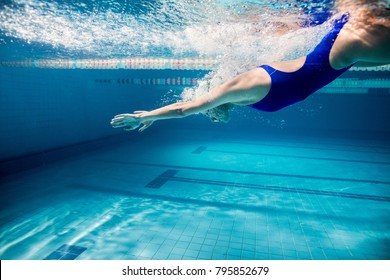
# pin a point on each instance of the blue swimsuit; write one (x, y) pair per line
(289, 88)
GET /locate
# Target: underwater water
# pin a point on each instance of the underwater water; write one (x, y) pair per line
(308, 182)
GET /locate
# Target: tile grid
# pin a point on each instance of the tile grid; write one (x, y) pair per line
(273, 235)
(66, 252)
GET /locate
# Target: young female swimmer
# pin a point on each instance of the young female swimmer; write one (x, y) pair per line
(359, 38)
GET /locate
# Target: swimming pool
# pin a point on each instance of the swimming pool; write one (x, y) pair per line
(308, 182)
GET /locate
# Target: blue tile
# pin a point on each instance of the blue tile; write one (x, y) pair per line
(234, 252)
(156, 183)
(222, 245)
(191, 253)
(185, 238)
(199, 150)
(249, 242)
(344, 255)
(218, 256)
(65, 248)
(332, 256)
(275, 249)
(235, 245)
(162, 179)
(158, 240)
(263, 243)
(304, 255)
(169, 243)
(248, 247)
(236, 239)
(194, 246)
(175, 257)
(302, 247)
(248, 255)
(232, 257)
(221, 250)
(178, 251)
(161, 255)
(69, 256)
(182, 244)
(212, 234)
(66, 252)
(290, 254)
(224, 237)
(189, 258)
(289, 246)
(211, 242)
(207, 248)
(215, 228)
(174, 236)
(77, 250)
(54, 256)
(318, 254)
(205, 255)
(261, 256)
(274, 238)
(197, 240)
(276, 257)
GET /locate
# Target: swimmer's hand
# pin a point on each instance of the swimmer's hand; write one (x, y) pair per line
(131, 121)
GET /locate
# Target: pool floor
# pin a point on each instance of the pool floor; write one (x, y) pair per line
(209, 196)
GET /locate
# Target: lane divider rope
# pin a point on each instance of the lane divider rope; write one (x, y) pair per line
(124, 63)
(170, 81)
(136, 63)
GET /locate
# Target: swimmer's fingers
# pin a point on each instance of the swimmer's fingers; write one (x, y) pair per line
(123, 116)
(139, 112)
(117, 122)
(127, 117)
(120, 116)
(145, 125)
(131, 126)
(128, 128)
(128, 121)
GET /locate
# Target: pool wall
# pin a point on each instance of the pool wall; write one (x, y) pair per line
(44, 109)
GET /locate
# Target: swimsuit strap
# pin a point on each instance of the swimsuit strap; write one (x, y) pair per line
(322, 50)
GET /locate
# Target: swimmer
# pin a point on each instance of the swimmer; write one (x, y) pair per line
(359, 37)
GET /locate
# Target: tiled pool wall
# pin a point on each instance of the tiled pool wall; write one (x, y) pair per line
(45, 108)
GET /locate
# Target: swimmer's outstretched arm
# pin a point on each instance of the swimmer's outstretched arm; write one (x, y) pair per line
(176, 110)
(244, 88)
(172, 111)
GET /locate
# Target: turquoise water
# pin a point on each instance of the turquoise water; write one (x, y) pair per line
(185, 194)
(308, 182)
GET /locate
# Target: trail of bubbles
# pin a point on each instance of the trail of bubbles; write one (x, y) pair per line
(72, 28)
(244, 53)
(113, 28)
(239, 34)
